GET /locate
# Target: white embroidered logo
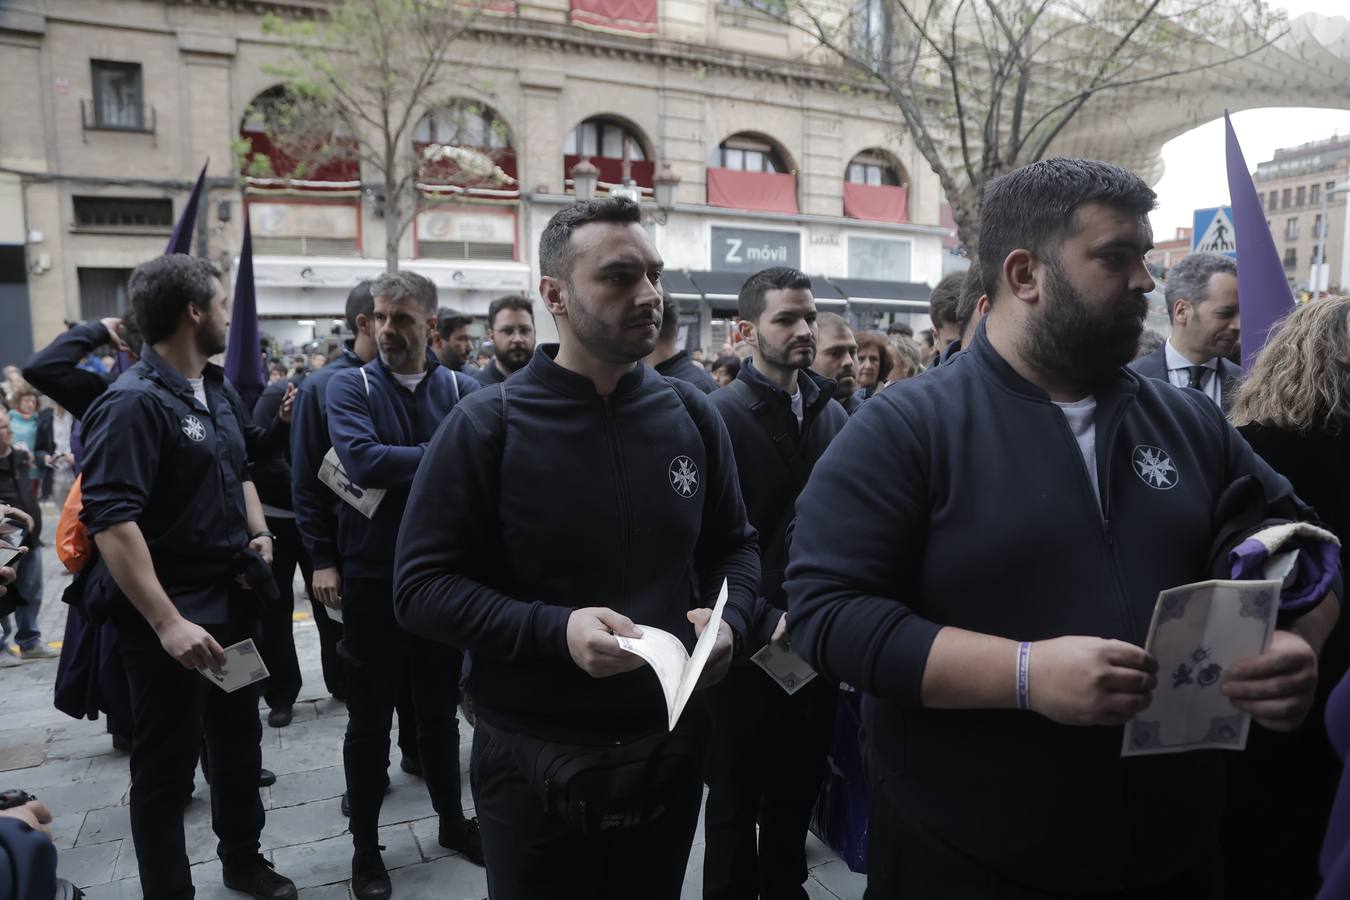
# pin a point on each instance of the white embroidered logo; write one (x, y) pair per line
(1154, 467)
(193, 428)
(684, 476)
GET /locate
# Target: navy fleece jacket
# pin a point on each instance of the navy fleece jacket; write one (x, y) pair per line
(563, 500)
(970, 505)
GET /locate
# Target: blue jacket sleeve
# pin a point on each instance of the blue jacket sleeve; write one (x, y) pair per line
(122, 437)
(443, 554)
(54, 370)
(728, 547)
(367, 461)
(313, 502)
(27, 862)
(848, 614)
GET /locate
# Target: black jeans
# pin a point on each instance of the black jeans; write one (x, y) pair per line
(379, 657)
(276, 633)
(531, 855)
(765, 767)
(173, 708)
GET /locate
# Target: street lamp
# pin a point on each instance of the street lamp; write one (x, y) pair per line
(585, 176)
(665, 183)
(1320, 255)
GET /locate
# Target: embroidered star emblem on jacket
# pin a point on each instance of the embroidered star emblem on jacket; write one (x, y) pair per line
(684, 476)
(1155, 468)
(193, 428)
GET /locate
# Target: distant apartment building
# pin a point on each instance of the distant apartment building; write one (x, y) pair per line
(1305, 211)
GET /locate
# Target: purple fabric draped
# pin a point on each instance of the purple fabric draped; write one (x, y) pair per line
(243, 358)
(181, 240)
(1314, 571)
(1263, 290)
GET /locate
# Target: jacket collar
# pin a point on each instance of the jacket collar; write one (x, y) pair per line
(988, 359)
(544, 366)
(816, 389)
(671, 362)
(159, 370)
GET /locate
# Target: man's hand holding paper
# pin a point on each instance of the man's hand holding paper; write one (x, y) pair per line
(1275, 688)
(591, 641)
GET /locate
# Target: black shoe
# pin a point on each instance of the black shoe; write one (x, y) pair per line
(256, 878)
(121, 744)
(266, 778)
(411, 765)
(346, 806)
(463, 836)
(281, 716)
(370, 879)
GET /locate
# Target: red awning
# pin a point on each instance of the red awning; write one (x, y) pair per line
(623, 16)
(764, 191)
(876, 202)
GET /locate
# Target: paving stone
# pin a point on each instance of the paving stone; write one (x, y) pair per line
(103, 825)
(300, 824)
(37, 777)
(305, 787)
(83, 866)
(326, 892)
(65, 829)
(836, 877)
(451, 878)
(693, 874)
(330, 861)
(86, 795)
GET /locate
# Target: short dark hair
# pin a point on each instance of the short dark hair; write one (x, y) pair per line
(510, 301)
(161, 289)
(730, 363)
(448, 321)
(945, 298)
(1189, 278)
(401, 284)
(1033, 207)
(828, 321)
(555, 253)
(670, 318)
(972, 289)
(750, 304)
(900, 328)
(360, 302)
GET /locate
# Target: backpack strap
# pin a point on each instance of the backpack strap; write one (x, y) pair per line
(781, 440)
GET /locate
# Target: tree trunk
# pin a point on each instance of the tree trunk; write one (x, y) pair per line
(393, 223)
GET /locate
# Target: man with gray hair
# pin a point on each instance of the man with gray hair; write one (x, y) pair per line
(1202, 302)
(380, 418)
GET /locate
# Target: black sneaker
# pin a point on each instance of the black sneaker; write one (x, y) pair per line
(462, 835)
(280, 717)
(411, 765)
(256, 878)
(370, 879)
(346, 806)
(266, 778)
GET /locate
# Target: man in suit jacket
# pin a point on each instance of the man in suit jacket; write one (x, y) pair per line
(1202, 302)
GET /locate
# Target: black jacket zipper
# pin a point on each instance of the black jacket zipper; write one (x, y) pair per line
(625, 504)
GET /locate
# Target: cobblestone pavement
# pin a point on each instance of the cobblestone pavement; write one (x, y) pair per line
(72, 767)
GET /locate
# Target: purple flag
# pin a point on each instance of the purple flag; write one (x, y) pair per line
(181, 241)
(1263, 290)
(243, 358)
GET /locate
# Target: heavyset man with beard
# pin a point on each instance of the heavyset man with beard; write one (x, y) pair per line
(511, 330)
(1028, 446)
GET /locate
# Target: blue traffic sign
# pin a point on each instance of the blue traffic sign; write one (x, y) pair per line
(1212, 231)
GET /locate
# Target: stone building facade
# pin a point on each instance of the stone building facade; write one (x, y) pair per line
(110, 108)
(1297, 189)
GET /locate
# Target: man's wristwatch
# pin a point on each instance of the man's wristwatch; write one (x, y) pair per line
(258, 534)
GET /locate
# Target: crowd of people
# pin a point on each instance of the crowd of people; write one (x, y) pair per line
(956, 527)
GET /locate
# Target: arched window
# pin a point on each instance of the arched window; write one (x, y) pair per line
(472, 126)
(609, 143)
(875, 167)
(748, 153)
(876, 187)
(292, 142)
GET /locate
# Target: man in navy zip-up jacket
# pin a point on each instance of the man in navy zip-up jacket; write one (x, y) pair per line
(766, 765)
(1039, 493)
(380, 418)
(609, 497)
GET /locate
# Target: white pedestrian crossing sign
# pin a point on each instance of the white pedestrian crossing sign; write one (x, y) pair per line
(1213, 231)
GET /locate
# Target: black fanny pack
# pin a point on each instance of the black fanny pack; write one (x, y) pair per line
(598, 789)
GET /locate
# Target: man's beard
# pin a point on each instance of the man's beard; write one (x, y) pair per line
(782, 355)
(394, 359)
(450, 358)
(513, 359)
(1076, 344)
(211, 340)
(610, 344)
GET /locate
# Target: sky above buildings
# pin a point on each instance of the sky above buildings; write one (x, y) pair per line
(1195, 176)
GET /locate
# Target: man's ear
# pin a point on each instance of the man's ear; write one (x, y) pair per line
(1181, 312)
(554, 293)
(746, 329)
(1020, 271)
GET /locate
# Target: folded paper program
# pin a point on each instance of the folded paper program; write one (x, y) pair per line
(1316, 563)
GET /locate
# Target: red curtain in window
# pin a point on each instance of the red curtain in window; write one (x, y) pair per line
(876, 202)
(336, 166)
(623, 16)
(765, 191)
(611, 170)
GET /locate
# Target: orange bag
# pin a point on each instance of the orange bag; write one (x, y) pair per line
(72, 538)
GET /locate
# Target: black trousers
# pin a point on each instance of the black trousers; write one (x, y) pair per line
(905, 860)
(531, 855)
(173, 708)
(380, 656)
(765, 765)
(276, 633)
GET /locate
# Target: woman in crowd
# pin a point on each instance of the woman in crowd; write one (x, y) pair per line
(30, 432)
(874, 364)
(1294, 410)
(905, 360)
(725, 370)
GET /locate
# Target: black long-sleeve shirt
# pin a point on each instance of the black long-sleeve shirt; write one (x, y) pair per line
(550, 498)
